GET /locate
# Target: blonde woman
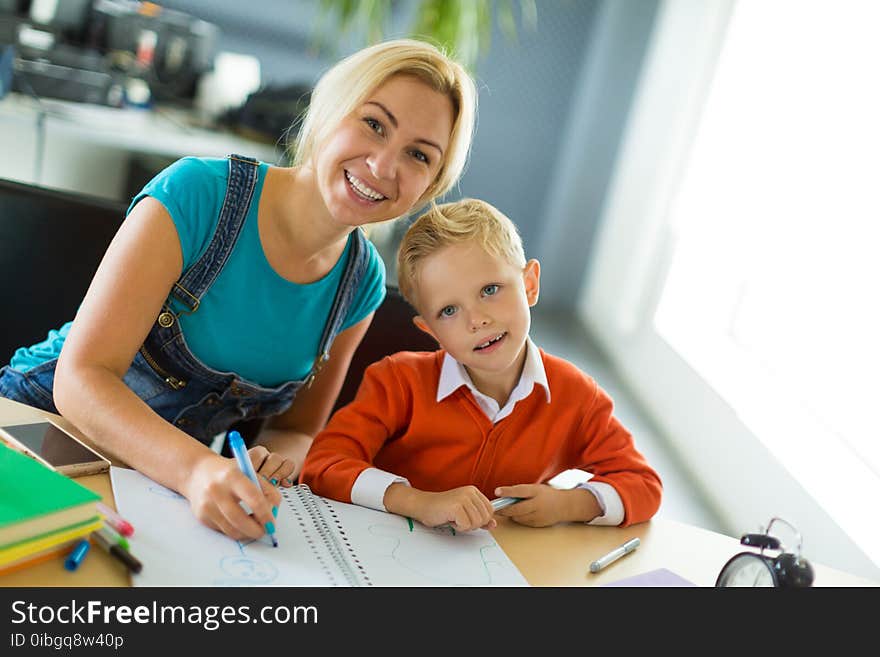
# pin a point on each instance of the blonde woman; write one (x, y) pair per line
(235, 290)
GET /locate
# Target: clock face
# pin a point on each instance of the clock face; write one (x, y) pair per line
(747, 570)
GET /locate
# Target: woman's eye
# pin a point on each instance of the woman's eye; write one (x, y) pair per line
(489, 290)
(375, 125)
(448, 311)
(421, 157)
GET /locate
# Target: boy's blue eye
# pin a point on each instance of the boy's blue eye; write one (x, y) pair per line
(448, 311)
(490, 290)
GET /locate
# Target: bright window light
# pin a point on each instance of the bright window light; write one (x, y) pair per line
(773, 294)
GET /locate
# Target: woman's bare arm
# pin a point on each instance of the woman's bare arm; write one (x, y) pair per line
(126, 295)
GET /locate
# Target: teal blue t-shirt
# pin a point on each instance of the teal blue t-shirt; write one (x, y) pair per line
(251, 321)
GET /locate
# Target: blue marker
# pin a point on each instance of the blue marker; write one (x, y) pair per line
(77, 554)
(236, 444)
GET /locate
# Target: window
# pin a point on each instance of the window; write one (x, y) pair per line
(776, 218)
(762, 274)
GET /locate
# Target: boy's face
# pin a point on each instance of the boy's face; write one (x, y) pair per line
(477, 307)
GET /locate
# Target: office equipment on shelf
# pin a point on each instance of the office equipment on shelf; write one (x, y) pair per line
(89, 51)
(322, 543)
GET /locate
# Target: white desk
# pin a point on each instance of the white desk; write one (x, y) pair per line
(87, 148)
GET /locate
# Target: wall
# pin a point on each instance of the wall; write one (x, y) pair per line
(533, 93)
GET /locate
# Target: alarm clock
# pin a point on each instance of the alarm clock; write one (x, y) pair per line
(785, 570)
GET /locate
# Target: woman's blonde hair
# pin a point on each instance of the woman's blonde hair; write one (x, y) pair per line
(351, 81)
(468, 221)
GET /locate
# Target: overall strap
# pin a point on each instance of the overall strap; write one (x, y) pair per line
(239, 194)
(355, 267)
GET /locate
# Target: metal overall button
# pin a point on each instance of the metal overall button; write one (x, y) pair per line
(319, 363)
(166, 319)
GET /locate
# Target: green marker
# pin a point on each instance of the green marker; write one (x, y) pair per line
(113, 537)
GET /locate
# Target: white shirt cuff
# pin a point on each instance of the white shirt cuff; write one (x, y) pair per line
(370, 486)
(609, 501)
(568, 479)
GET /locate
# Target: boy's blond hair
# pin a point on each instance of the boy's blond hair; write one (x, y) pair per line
(350, 82)
(468, 221)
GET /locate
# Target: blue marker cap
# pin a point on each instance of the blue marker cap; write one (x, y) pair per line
(74, 559)
(235, 440)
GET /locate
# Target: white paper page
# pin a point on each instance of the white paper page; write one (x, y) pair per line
(177, 550)
(395, 555)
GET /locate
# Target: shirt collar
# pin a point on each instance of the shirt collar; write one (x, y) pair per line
(453, 375)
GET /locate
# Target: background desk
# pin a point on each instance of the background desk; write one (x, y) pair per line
(92, 149)
(551, 556)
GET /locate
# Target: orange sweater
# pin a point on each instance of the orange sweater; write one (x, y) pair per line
(396, 424)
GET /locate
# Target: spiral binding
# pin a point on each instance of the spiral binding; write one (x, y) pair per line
(326, 538)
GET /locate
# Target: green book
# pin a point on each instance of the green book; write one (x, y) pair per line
(36, 500)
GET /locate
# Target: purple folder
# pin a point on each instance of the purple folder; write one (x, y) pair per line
(659, 577)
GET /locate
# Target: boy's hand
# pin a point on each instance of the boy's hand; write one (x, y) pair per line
(273, 467)
(465, 508)
(544, 505)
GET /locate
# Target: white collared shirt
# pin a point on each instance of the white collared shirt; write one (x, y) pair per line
(453, 375)
(370, 486)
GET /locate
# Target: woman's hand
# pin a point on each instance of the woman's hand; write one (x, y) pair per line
(215, 489)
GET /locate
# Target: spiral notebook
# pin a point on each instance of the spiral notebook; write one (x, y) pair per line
(321, 543)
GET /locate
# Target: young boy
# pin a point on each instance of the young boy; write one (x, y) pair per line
(435, 435)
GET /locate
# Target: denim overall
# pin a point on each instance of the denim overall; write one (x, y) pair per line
(197, 399)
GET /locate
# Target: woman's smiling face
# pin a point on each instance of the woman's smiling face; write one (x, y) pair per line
(385, 154)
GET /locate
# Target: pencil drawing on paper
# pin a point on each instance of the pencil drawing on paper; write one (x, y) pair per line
(407, 549)
(165, 492)
(245, 570)
(321, 543)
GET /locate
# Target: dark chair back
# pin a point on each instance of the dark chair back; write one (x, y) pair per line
(51, 243)
(392, 330)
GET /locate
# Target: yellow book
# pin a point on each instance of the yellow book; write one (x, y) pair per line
(20, 553)
(36, 500)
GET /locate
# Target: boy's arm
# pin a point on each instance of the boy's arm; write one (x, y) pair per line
(607, 451)
(356, 433)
